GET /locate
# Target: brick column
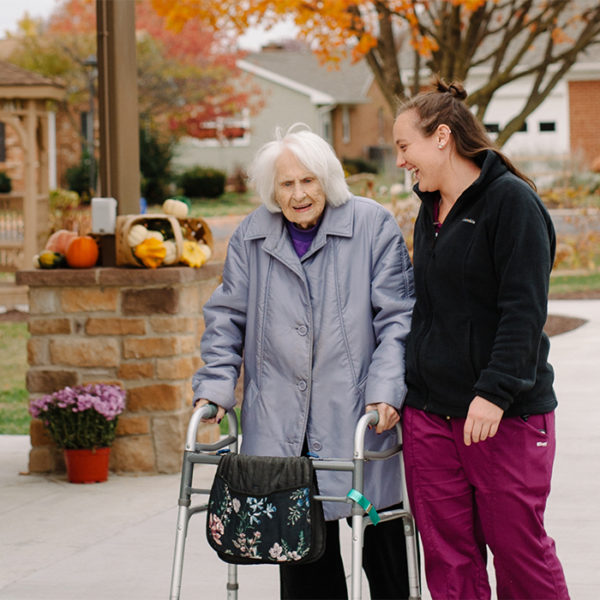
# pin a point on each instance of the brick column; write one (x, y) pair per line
(140, 328)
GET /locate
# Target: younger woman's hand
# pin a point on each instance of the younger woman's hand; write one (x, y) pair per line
(483, 420)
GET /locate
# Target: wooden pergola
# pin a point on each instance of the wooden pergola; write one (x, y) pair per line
(26, 101)
(24, 106)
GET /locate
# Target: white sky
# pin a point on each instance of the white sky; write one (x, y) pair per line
(11, 12)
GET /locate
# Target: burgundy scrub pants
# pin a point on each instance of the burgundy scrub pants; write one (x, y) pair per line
(491, 493)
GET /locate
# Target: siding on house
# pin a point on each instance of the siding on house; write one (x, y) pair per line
(283, 107)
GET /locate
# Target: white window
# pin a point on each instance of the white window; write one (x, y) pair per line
(225, 131)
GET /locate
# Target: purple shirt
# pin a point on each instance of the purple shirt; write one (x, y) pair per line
(302, 238)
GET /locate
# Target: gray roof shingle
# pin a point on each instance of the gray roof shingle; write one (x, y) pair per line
(347, 84)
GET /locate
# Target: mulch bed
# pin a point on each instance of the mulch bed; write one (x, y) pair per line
(14, 315)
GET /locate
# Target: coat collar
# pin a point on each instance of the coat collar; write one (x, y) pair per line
(337, 221)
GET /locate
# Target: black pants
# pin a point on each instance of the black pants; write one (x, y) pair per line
(384, 562)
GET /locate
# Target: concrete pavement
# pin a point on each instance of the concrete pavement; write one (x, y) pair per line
(114, 540)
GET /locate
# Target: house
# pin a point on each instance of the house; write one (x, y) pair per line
(342, 105)
(563, 128)
(346, 107)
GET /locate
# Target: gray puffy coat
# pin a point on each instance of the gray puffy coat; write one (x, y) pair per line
(320, 337)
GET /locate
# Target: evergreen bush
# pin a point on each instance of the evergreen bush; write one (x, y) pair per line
(201, 182)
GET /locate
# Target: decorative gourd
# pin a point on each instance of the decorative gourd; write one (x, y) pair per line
(194, 254)
(206, 250)
(47, 259)
(171, 255)
(157, 235)
(59, 240)
(174, 207)
(82, 252)
(151, 252)
(137, 234)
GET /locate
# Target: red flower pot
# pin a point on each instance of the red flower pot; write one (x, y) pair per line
(87, 466)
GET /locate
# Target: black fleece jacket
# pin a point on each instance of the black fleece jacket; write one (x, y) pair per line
(482, 289)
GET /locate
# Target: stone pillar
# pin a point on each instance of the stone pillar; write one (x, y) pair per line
(140, 328)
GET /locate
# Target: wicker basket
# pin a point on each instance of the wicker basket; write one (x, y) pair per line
(124, 253)
(196, 228)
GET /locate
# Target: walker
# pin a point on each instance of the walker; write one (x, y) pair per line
(209, 454)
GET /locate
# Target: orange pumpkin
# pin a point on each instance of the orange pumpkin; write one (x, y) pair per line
(82, 252)
(59, 240)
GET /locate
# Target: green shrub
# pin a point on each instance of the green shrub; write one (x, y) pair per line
(201, 182)
(5, 183)
(352, 166)
(79, 178)
(155, 157)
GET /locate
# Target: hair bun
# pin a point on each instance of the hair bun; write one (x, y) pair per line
(455, 88)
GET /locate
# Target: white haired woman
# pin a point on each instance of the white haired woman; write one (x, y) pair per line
(316, 302)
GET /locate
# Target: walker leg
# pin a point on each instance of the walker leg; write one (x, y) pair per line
(182, 522)
(412, 557)
(232, 582)
(183, 516)
(358, 531)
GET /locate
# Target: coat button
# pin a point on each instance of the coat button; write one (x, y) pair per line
(302, 385)
(317, 446)
(302, 330)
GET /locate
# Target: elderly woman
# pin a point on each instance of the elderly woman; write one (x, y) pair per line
(316, 301)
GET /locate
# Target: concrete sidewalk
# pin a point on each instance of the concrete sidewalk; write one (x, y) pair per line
(114, 540)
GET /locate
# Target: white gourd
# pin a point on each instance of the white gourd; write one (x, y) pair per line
(176, 208)
(206, 251)
(137, 234)
(171, 256)
(155, 234)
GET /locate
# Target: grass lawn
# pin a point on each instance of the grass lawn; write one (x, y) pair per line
(577, 284)
(229, 203)
(14, 418)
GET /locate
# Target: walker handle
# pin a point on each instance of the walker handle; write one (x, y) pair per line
(373, 415)
(209, 410)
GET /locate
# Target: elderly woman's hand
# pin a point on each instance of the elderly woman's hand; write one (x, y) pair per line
(388, 416)
(217, 418)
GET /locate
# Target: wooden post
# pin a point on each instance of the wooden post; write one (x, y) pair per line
(118, 104)
(30, 200)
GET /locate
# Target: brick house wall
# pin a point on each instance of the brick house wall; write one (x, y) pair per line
(584, 119)
(370, 125)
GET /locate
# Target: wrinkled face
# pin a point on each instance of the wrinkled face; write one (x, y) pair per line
(420, 155)
(298, 192)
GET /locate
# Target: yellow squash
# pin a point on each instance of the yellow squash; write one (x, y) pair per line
(151, 252)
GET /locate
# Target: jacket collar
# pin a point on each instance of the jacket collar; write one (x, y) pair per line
(337, 221)
(491, 168)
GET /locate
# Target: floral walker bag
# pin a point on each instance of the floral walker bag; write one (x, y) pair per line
(261, 510)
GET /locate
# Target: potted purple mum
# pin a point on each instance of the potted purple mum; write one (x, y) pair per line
(82, 420)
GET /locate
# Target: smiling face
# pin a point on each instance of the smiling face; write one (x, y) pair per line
(421, 155)
(298, 192)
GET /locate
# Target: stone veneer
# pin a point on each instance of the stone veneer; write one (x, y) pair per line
(140, 328)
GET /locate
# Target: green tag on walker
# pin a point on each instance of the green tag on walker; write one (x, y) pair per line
(357, 497)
